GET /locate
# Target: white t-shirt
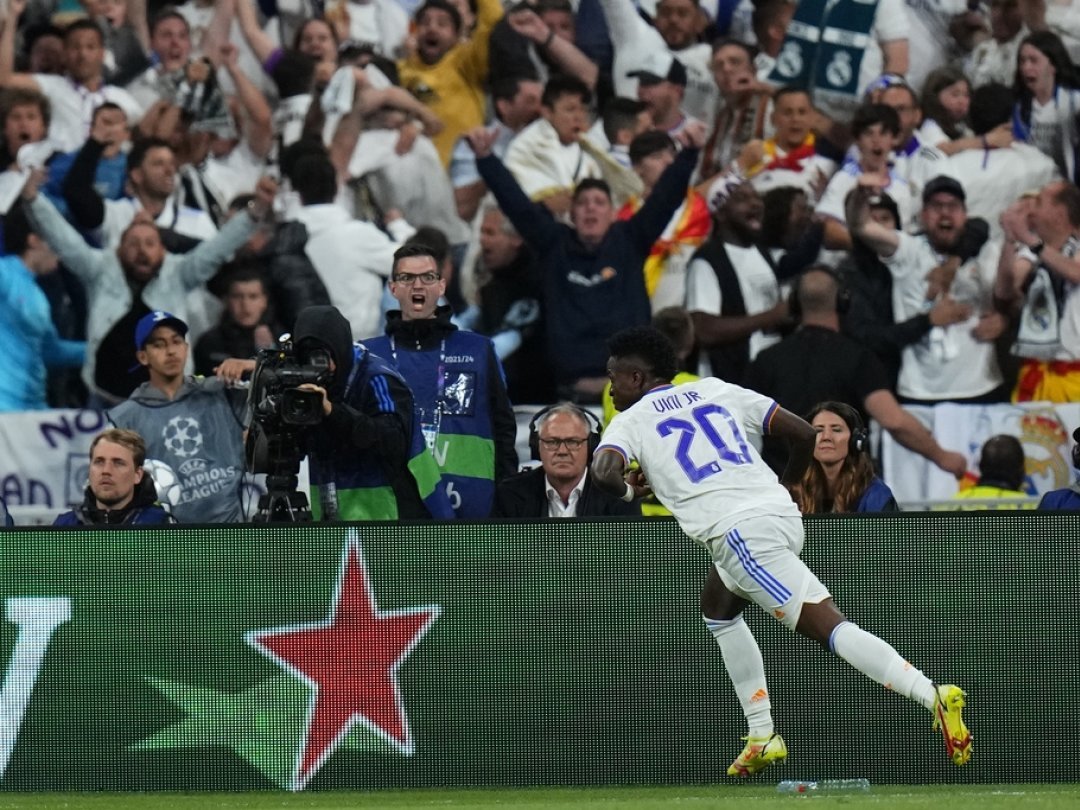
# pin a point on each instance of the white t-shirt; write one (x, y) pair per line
(835, 195)
(948, 363)
(930, 43)
(994, 179)
(73, 108)
(1054, 127)
(757, 283)
(693, 443)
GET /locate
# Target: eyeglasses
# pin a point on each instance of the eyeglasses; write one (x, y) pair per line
(427, 279)
(571, 444)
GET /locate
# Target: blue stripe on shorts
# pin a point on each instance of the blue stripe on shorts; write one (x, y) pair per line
(772, 586)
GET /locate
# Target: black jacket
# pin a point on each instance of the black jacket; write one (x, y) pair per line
(523, 496)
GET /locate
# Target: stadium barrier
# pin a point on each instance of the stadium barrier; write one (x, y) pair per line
(547, 653)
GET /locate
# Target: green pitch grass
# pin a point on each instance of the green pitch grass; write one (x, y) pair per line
(880, 797)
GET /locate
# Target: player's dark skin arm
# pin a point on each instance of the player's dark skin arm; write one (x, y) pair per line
(717, 602)
(609, 475)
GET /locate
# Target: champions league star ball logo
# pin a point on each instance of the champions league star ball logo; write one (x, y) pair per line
(182, 436)
(166, 482)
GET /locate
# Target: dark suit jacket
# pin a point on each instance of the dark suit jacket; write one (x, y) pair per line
(522, 496)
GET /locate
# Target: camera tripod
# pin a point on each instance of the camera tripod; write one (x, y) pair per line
(283, 502)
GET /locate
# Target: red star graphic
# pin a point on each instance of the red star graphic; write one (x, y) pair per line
(350, 660)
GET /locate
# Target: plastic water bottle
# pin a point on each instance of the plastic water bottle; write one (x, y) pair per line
(798, 787)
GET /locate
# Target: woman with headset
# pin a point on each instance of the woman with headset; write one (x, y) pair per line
(841, 478)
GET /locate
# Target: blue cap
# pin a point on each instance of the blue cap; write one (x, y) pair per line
(148, 323)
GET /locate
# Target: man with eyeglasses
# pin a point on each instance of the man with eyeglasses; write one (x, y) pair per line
(561, 486)
(459, 390)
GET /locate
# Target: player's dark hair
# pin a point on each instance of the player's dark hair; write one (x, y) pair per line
(591, 183)
(868, 115)
(168, 13)
(412, 249)
(84, 25)
(791, 90)
(991, 106)
(434, 241)
(621, 113)
(315, 179)
(562, 85)
(141, 148)
(1001, 462)
(649, 143)
(105, 106)
(441, 5)
(294, 73)
(648, 345)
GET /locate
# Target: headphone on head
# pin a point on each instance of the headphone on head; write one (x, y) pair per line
(590, 420)
(860, 436)
(843, 294)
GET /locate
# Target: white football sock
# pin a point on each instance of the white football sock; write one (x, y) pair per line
(877, 660)
(742, 659)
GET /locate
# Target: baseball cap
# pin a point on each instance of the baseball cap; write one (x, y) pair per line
(148, 323)
(660, 66)
(943, 185)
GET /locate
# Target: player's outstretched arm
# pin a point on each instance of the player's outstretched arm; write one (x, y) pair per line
(801, 436)
(608, 469)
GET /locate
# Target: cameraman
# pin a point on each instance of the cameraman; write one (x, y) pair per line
(368, 458)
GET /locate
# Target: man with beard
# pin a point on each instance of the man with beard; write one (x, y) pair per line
(120, 491)
(952, 363)
(732, 291)
(446, 72)
(139, 276)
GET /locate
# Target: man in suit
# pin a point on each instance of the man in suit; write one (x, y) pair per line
(562, 437)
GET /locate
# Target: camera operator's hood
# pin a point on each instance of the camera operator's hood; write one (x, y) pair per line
(325, 327)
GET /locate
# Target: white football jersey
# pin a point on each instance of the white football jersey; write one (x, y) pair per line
(693, 443)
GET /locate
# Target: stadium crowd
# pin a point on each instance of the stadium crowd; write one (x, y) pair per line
(848, 206)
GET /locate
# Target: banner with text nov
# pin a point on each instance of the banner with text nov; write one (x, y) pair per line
(565, 652)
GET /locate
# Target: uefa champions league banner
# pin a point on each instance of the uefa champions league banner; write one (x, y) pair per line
(1044, 429)
(45, 456)
(561, 652)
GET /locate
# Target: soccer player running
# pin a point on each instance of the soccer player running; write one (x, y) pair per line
(692, 444)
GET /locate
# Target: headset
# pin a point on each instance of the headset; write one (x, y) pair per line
(590, 419)
(843, 294)
(860, 436)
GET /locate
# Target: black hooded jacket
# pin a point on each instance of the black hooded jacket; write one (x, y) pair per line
(356, 421)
